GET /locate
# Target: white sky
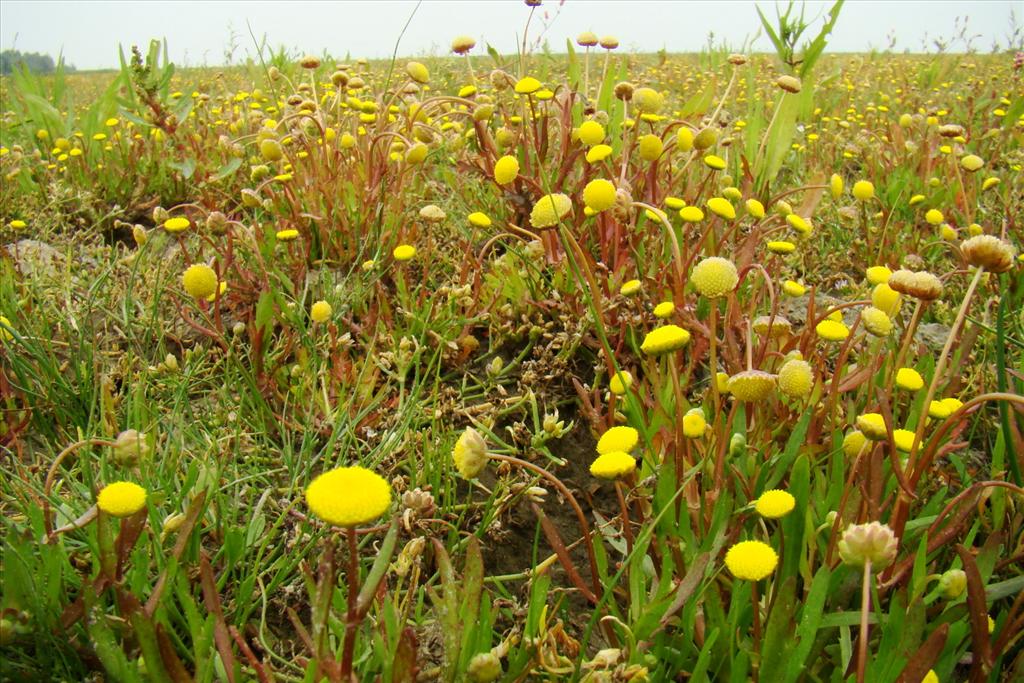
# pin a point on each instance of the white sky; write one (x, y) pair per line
(89, 31)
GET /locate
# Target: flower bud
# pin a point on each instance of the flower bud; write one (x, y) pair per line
(484, 667)
(129, 446)
(874, 542)
(953, 583)
(470, 454)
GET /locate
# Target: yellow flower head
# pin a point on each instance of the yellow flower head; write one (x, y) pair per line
(684, 139)
(479, 219)
(418, 72)
(630, 287)
(674, 203)
(876, 322)
(853, 443)
(799, 223)
(176, 224)
(664, 339)
(781, 247)
(650, 147)
(648, 100)
(863, 190)
(549, 210)
(618, 438)
(287, 235)
(751, 560)
(755, 208)
(527, 85)
(836, 185)
(716, 163)
(121, 499)
(943, 408)
(598, 153)
(199, 281)
(793, 288)
(904, 439)
(5, 334)
(796, 378)
(775, 503)
(714, 277)
(320, 311)
(348, 496)
(506, 170)
(694, 423)
(878, 275)
(934, 216)
(691, 214)
(886, 299)
(591, 133)
(909, 379)
(664, 310)
(752, 385)
(404, 252)
(972, 163)
(873, 426)
(832, 330)
(612, 465)
(720, 206)
(620, 382)
(599, 194)
(470, 454)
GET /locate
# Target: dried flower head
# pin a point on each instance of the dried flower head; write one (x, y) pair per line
(920, 285)
(988, 252)
(752, 385)
(874, 542)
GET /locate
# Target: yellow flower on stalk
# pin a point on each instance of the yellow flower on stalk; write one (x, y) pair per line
(863, 190)
(752, 385)
(17, 224)
(620, 382)
(121, 499)
(716, 163)
(591, 133)
(479, 219)
(796, 378)
(972, 163)
(904, 439)
(751, 560)
(599, 194)
(934, 216)
(199, 281)
(793, 288)
(348, 496)
(755, 208)
(694, 423)
(990, 183)
(943, 408)
(404, 252)
(775, 503)
(613, 465)
(886, 299)
(598, 153)
(664, 310)
(620, 438)
(176, 224)
(873, 426)
(549, 210)
(664, 339)
(470, 454)
(691, 214)
(909, 379)
(781, 247)
(527, 85)
(506, 170)
(799, 223)
(853, 443)
(674, 203)
(650, 147)
(836, 185)
(418, 72)
(320, 311)
(721, 207)
(876, 322)
(287, 235)
(832, 330)
(630, 287)
(714, 276)
(878, 274)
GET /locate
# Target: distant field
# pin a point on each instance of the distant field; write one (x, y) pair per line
(587, 366)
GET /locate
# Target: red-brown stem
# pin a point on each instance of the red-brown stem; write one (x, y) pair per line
(351, 618)
(627, 531)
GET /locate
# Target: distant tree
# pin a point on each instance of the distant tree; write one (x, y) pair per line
(33, 61)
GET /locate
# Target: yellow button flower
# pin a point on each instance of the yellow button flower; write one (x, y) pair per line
(909, 379)
(664, 339)
(121, 499)
(404, 252)
(599, 194)
(613, 465)
(618, 438)
(775, 503)
(348, 496)
(751, 560)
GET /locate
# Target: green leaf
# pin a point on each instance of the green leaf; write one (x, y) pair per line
(778, 641)
(810, 622)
